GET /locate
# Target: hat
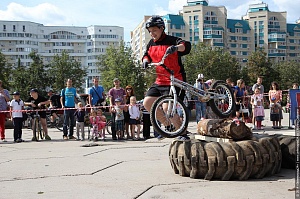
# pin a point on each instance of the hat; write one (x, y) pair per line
(34, 90)
(116, 79)
(15, 93)
(200, 76)
(118, 100)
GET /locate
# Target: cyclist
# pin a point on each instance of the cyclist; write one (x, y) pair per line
(54, 101)
(37, 101)
(160, 44)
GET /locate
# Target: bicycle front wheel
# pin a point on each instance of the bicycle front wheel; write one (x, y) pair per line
(35, 129)
(108, 126)
(222, 107)
(166, 122)
(59, 122)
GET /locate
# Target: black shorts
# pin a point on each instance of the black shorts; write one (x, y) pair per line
(134, 121)
(41, 113)
(157, 91)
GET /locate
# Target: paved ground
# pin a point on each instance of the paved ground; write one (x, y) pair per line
(126, 169)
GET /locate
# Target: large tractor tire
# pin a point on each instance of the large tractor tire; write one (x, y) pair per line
(288, 150)
(226, 161)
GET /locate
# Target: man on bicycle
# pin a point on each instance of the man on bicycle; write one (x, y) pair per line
(160, 44)
(37, 101)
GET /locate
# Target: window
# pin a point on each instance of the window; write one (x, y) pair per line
(14, 27)
(4, 27)
(24, 28)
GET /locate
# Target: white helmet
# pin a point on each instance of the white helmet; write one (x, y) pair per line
(200, 76)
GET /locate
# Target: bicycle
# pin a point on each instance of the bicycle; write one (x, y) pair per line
(164, 113)
(38, 133)
(58, 122)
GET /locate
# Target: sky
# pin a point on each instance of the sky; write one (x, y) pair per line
(124, 13)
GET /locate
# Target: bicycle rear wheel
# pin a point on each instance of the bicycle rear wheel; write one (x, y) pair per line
(171, 125)
(59, 122)
(222, 107)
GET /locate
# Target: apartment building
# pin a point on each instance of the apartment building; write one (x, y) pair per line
(84, 44)
(260, 27)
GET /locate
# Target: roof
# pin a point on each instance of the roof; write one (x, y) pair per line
(232, 24)
(176, 20)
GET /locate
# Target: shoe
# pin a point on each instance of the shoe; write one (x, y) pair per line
(160, 137)
(170, 128)
(47, 137)
(65, 137)
(3, 140)
(183, 138)
(72, 137)
(33, 139)
(114, 138)
(18, 141)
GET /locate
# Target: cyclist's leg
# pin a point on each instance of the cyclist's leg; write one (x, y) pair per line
(43, 121)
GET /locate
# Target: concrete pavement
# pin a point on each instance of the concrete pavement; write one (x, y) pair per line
(118, 169)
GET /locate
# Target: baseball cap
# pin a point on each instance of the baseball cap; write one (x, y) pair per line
(34, 90)
(16, 93)
(116, 79)
(200, 76)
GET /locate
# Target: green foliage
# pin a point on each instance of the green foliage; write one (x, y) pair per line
(118, 62)
(62, 68)
(213, 63)
(5, 71)
(288, 73)
(259, 65)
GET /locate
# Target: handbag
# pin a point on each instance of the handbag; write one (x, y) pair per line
(100, 100)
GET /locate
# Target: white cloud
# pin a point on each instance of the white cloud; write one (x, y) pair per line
(173, 7)
(292, 8)
(45, 13)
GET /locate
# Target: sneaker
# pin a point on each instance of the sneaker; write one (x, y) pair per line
(114, 138)
(160, 137)
(33, 139)
(65, 137)
(47, 137)
(18, 141)
(3, 140)
(72, 137)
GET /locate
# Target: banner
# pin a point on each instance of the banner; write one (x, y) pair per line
(295, 102)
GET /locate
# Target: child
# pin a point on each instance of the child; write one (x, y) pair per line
(16, 105)
(80, 114)
(134, 120)
(257, 102)
(275, 109)
(102, 123)
(94, 121)
(119, 118)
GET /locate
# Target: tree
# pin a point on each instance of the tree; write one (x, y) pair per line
(119, 62)
(62, 68)
(259, 65)
(20, 81)
(214, 63)
(5, 71)
(288, 73)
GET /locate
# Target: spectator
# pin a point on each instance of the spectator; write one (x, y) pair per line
(16, 105)
(4, 98)
(200, 104)
(129, 92)
(257, 101)
(54, 100)
(119, 120)
(102, 123)
(67, 100)
(288, 104)
(80, 115)
(135, 121)
(239, 96)
(175, 47)
(37, 101)
(96, 94)
(275, 98)
(115, 93)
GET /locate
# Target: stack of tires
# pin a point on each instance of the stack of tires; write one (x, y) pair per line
(240, 160)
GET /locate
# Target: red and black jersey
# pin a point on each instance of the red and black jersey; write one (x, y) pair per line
(156, 50)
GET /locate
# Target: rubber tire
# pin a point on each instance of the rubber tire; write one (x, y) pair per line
(60, 123)
(108, 126)
(156, 125)
(230, 95)
(288, 150)
(226, 161)
(35, 129)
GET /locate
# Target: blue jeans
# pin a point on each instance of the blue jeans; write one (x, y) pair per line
(69, 121)
(200, 110)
